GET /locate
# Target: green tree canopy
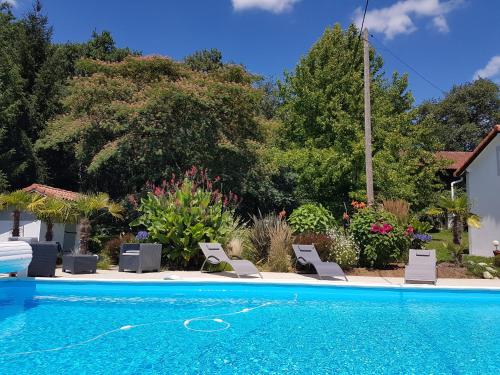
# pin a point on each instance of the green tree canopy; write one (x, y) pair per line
(145, 118)
(465, 115)
(323, 119)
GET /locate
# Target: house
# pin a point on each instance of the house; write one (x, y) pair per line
(454, 159)
(30, 226)
(482, 169)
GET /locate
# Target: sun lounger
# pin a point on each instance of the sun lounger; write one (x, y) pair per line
(421, 267)
(307, 255)
(214, 254)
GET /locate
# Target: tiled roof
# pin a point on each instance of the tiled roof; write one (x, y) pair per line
(52, 192)
(456, 157)
(485, 142)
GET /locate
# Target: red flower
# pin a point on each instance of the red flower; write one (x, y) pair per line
(282, 214)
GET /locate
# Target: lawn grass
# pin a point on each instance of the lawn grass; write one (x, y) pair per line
(437, 244)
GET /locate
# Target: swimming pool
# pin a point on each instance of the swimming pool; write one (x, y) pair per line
(192, 328)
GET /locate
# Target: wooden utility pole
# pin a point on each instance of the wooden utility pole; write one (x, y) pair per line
(368, 125)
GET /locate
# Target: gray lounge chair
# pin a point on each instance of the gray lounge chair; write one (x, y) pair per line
(307, 255)
(215, 254)
(421, 267)
(140, 257)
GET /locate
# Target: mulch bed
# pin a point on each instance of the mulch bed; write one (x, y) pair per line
(445, 270)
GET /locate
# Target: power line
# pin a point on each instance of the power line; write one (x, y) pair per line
(360, 32)
(381, 44)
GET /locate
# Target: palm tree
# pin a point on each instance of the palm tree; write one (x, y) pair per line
(88, 207)
(18, 201)
(52, 211)
(459, 209)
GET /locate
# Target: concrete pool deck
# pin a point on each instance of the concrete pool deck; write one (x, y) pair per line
(269, 277)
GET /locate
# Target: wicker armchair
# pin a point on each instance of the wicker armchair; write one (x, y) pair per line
(44, 259)
(139, 257)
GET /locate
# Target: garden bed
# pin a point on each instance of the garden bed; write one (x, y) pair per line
(445, 270)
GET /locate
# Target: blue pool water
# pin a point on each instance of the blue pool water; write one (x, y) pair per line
(120, 328)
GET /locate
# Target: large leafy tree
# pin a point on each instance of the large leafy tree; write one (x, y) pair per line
(145, 118)
(322, 113)
(465, 114)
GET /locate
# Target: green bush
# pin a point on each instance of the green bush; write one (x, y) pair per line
(381, 239)
(111, 249)
(344, 250)
(312, 218)
(183, 213)
(496, 260)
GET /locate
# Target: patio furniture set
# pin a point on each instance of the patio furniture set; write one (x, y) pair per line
(141, 257)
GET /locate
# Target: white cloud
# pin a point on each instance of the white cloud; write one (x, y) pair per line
(275, 6)
(11, 2)
(491, 70)
(399, 17)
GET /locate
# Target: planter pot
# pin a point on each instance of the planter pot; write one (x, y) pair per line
(79, 263)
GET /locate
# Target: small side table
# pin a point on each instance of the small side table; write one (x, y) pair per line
(79, 263)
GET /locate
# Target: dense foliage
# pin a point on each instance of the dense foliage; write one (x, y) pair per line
(181, 213)
(322, 116)
(464, 116)
(312, 218)
(381, 239)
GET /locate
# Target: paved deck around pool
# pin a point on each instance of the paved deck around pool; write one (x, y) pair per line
(269, 277)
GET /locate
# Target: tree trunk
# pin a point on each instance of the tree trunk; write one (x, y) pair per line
(49, 234)
(85, 232)
(16, 217)
(457, 228)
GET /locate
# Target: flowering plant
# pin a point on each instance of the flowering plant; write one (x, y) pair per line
(358, 205)
(381, 239)
(420, 239)
(142, 236)
(384, 228)
(184, 211)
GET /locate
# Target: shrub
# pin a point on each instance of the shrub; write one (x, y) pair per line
(496, 260)
(379, 236)
(322, 243)
(456, 251)
(280, 251)
(343, 250)
(111, 249)
(104, 263)
(260, 235)
(181, 213)
(313, 218)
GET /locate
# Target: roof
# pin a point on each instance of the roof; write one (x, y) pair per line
(485, 142)
(457, 158)
(52, 192)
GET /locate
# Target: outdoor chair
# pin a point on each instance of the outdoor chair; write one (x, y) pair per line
(44, 259)
(308, 256)
(140, 257)
(215, 254)
(421, 267)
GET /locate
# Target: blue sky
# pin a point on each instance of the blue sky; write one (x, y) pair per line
(447, 41)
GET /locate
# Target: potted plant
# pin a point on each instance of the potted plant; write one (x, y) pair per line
(83, 211)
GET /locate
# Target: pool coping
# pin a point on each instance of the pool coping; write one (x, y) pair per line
(268, 282)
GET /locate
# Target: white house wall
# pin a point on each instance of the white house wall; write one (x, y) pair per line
(483, 189)
(29, 225)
